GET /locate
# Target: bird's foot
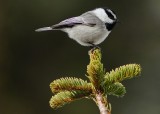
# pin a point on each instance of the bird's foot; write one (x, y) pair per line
(94, 47)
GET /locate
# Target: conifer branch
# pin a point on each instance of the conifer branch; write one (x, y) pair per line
(102, 103)
(70, 84)
(122, 73)
(102, 84)
(116, 89)
(67, 97)
(95, 68)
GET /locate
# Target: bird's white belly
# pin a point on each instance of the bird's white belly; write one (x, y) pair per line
(87, 36)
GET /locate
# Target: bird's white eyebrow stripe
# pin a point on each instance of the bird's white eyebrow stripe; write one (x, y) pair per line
(101, 14)
(112, 13)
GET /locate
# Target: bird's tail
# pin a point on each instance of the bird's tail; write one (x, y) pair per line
(43, 29)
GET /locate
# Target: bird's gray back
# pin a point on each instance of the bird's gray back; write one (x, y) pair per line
(91, 18)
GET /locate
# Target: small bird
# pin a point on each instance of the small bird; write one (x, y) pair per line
(89, 29)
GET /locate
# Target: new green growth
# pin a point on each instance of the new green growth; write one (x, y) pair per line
(100, 84)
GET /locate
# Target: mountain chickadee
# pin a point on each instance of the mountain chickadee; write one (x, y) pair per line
(90, 28)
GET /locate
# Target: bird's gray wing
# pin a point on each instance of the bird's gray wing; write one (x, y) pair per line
(69, 23)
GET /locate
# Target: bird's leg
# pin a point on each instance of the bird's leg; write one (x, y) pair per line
(93, 47)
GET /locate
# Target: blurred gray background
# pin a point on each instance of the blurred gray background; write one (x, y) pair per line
(29, 61)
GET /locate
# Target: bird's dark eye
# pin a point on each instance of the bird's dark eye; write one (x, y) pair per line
(110, 14)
